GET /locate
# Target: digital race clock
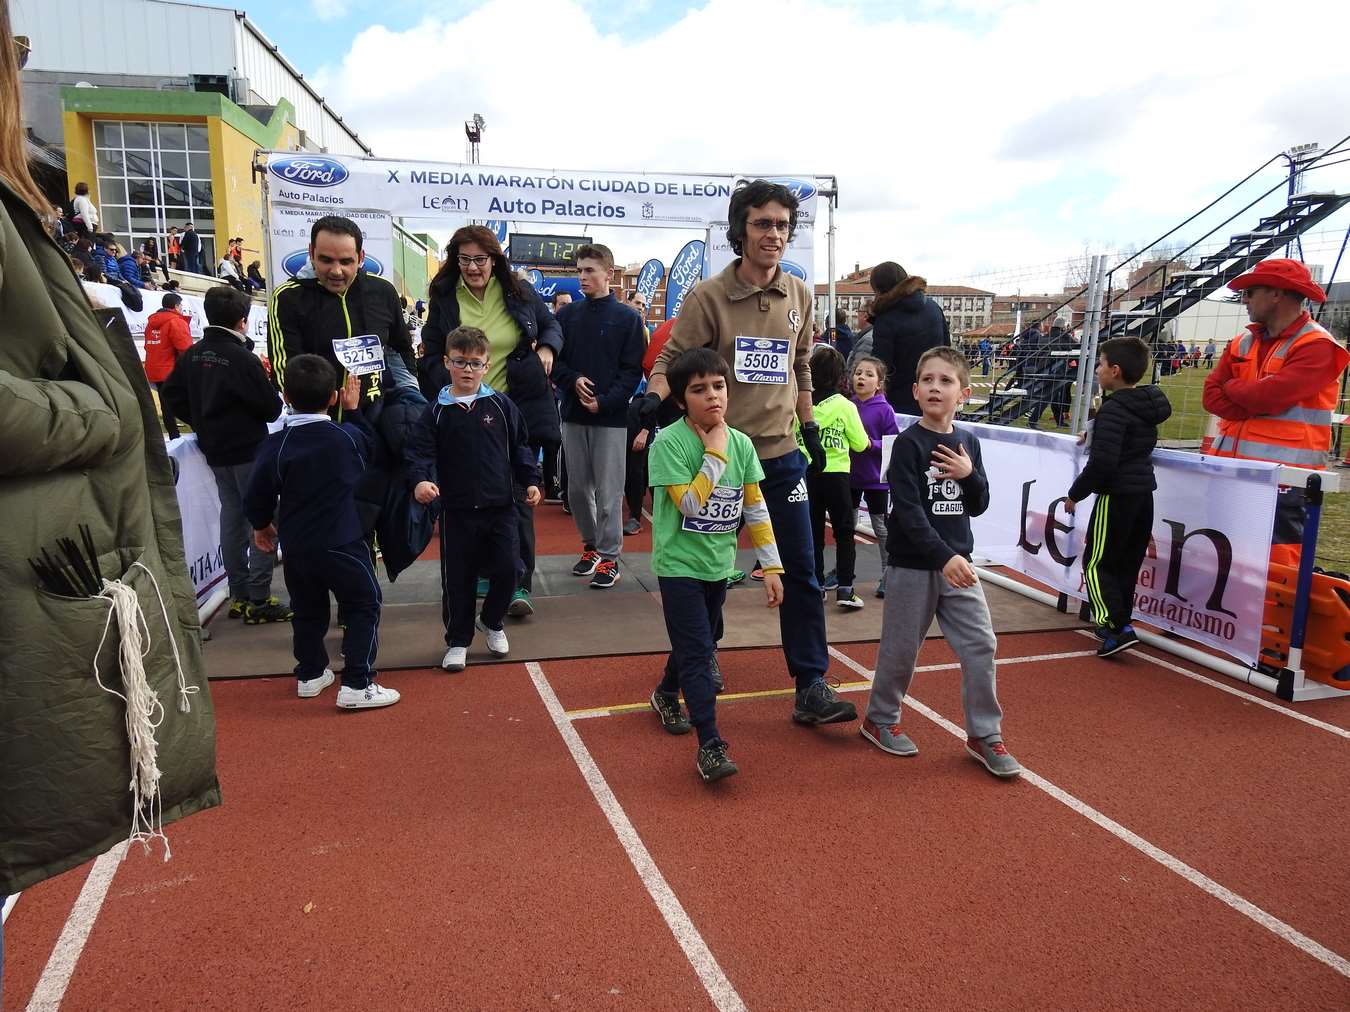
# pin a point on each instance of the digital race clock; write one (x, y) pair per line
(546, 250)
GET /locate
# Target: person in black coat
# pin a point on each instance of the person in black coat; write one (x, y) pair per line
(529, 344)
(905, 324)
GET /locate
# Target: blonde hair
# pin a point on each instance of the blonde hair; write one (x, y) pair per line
(13, 138)
(952, 357)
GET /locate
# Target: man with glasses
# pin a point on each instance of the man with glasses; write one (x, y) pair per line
(759, 319)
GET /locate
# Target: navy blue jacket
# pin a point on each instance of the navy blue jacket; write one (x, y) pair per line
(477, 456)
(905, 324)
(313, 468)
(603, 340)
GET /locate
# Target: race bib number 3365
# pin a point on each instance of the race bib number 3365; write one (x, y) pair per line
(721, 514)
(762, 360)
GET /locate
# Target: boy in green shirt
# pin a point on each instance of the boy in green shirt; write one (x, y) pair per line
(710, 473)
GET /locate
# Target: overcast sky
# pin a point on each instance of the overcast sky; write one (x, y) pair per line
(979, 140)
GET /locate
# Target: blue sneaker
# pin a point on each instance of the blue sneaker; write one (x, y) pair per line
(1114, 643)
(482, 586)
(831, 581)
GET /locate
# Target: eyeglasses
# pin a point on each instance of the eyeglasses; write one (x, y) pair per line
(471, 364)
(480, 261)
(769, 225)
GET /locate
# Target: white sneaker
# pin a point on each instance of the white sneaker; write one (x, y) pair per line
(369, 698)
(311, 687)
(455, 658)
(496, 639)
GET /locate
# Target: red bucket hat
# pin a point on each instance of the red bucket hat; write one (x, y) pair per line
(1288, 275)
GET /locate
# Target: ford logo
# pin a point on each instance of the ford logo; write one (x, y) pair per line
(308, 170)
(297, 261)
(799, 188)
(763, 343)
(796, 270)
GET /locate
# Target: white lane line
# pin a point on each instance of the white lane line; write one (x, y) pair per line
(1198, 879)
(696, 950)
(1246, 697)
(51, 986)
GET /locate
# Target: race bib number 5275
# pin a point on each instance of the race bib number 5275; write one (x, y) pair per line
(359, 355)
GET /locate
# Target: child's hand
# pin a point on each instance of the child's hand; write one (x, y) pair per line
(959, 572)
(1082, 437)
(714, 438)
(1069, 505)
(351, 393)
(266, 539)
(951, 463)
(640, 441)
(426, 491)
(533, 497)
(773, 589)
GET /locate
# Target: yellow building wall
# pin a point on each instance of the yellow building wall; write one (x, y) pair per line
(238, 199)
(80, 166)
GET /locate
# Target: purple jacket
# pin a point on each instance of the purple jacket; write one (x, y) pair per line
(878, 418)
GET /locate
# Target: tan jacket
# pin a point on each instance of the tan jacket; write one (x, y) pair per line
(723, 308)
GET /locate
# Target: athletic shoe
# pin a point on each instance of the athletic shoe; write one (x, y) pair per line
(308, 688)
(566, 509)
(719, 683)
(606, 574)
(817, 704)
(585, 566)
(370, 698)
(1114, 643)
(994, 756)
(237, 606)
(455, 658)
(713, 763)
(737, 576)
(520, 605)
(846, 598)
(482, 588)
(831, 580)
(632, 526)
(668, 708)
(881, 585)
(269, 611)
(496, 639)
(888, 739)
(757, 573)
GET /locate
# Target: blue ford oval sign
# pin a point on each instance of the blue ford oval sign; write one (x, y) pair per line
(796, 270)
(802, 189)
(308, 170)
(295, 263)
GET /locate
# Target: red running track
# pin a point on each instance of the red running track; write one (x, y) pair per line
(452, 855)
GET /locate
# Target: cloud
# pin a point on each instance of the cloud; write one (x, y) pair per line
(330, 10)
(951, 126)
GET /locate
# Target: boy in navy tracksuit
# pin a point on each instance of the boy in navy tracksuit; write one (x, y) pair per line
(471, 449)
(312, 466)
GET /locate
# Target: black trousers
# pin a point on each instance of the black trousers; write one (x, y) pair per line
(635, 476)
(693, 612)
(166, 413)
(830, 494)
(349, 575)
(1117, 539)
(552, 474)
(475, 542)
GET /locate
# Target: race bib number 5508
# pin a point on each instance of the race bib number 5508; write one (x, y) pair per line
(762, 360)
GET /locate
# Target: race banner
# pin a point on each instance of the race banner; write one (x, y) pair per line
(289, 225)
(799, 260)
(649, 278)
(686, 270)
(199, 504)
(1204, 577)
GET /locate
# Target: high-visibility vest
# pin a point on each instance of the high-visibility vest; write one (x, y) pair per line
(1300, 435)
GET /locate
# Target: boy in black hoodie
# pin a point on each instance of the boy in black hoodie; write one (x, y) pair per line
(1119, 472)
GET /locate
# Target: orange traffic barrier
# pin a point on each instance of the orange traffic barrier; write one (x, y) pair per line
(1326, 642)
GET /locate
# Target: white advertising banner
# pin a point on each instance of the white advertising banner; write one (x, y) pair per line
(107, 295)
(800, 258)
(199, 503)
(289, 225)
(1204, 577)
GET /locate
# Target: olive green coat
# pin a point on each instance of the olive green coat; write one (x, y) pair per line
(79, 443)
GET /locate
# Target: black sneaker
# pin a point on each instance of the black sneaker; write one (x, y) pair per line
(1114, 643)
(587, 564)
(713, 762)
(670, 711)
(719, 683)
(237, 606)
(606, 574)
(817, 704)
(271, 610)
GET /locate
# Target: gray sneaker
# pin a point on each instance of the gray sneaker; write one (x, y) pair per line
(888, 739)
(994, 755)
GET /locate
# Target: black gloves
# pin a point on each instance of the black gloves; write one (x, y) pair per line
(811, 437)
(642, 411)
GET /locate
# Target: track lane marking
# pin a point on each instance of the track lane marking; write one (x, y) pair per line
(586, 713)
(51, 986)
(710, 973)
(1232, 690)
(1174, 864)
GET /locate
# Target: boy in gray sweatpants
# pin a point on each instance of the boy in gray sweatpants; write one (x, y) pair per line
(937, 484)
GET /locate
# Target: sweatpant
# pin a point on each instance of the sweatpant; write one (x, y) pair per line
(473, 543)
(913, 597)
(693, 612)
(595, 473)
(801, 617)
(829, 493)
(878, 502)
(166, 412)
(349, 575)
(1113, 549)
(248, 569)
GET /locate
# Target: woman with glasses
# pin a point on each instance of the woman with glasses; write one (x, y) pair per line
(476, 288)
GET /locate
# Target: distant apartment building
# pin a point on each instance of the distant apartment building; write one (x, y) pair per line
(966, 309)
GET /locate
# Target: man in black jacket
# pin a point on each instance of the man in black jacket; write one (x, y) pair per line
(905, 324)
(597, 374)
(221, 389)
(341, 301)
